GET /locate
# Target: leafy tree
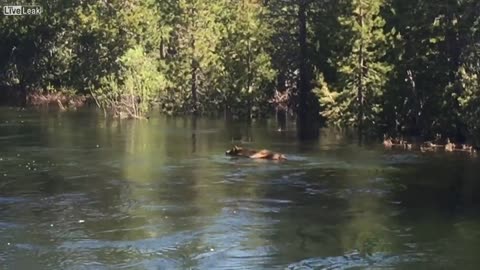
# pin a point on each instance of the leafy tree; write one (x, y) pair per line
(219, 60)
(363, 70)
(406, 67)
(35, 51)
(421, 98)
(132, 93)
(245, 58)
(469, 75)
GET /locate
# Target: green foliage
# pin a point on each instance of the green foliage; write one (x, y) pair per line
(141, 77)
(247, 65)
(400, 66)
(362, 69)
(333, 108)
(429, 41)
(469, 76)
(116, 45)
(132, 92)
(35, 50)
(220, 52)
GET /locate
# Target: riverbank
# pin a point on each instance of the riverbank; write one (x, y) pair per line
(438, 144)
(63, 100)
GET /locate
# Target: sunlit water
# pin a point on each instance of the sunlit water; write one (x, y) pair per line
(80, 192)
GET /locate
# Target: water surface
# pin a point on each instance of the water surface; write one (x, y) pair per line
(81, 192)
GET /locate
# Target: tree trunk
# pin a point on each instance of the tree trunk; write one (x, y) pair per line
(417, 103)
(249, 82)
(360, 81)
(453, 43)
(194, 79)
(303, 77)
(194, 134)
(194, 63)
(307, 112)
(281, 115)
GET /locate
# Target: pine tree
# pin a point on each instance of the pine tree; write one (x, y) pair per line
(363, 69)
(245, 58)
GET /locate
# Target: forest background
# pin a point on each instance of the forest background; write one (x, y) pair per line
(402, 67)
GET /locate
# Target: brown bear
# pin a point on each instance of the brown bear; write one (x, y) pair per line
(256, 154)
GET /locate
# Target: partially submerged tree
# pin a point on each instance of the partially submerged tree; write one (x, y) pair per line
(131, 94)
(363, 70)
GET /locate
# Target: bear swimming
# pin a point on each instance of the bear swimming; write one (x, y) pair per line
(256, 154)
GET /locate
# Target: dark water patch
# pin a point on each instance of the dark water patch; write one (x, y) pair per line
(205, 131)
(402, 158)
(12, 200)
(267, 201)
(148, 263)
(13, 137)
(346, 193)
(257, 205)
(143, 246)
(357, 261)
(5, 226)
(258, 258)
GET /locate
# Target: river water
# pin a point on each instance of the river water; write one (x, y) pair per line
(81, 192)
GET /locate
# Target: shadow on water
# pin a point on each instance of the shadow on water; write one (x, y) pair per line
(79, 191)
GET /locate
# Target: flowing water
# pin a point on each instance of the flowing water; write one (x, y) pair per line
(81, 192)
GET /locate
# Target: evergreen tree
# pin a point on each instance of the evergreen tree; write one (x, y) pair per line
(405, 67)
(363, 70)
(423, 91)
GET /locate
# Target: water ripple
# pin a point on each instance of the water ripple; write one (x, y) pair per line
(355, 260)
